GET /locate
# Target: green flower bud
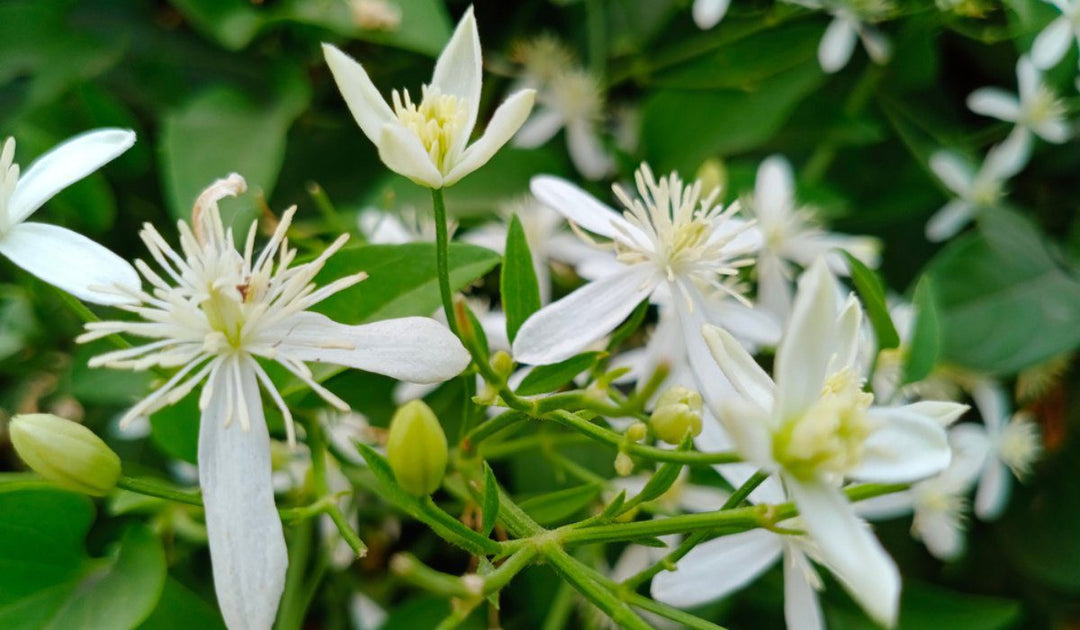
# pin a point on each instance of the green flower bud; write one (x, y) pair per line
(65, 452)
(417, 448)
(503, 364)
(678, 410)
(636, 432)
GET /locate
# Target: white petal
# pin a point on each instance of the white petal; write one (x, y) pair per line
(541, 126)
(1008, 158)
(837, 44)
(70, 261)
(708, 13)
(368, 107)
(562, 329)
(955, 172)
(402, 152)
(847, 335)
(886, 506)
(748, 427)
(992, 497)
(405, 391)
(701, 498)
(774, 288)
(970, 441)
(740, 368)
(583, 209)
(943, 539)
(749, 324)
(774, 191)
(715, 439)
(458, 70)
(801, 608)
(1054, 131)
(994, 102)
(64, 165)
(876, 44)
(992, 403)
(943, 412)
(804, 248)
(806, 350)
(848, 548)
(505, 122)
(1028, 78)
(716, 568)
(1052, 43)
(414, 349)
(905, 448)
(950, 219)
(586, 151)
(247, 546)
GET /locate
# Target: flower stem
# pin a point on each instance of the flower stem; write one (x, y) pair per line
(442, 257)
(317, 445)
(159, 489)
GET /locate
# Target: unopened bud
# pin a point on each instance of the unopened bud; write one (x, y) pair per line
(65, 452)
(624, 465)
(416, 448)
(713, 176)
(678, 410)
(637, 432)
(503, 364)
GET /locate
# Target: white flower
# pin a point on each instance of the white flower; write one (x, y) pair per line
(791, 235)
(852, 20)
(1010, 447)
(573, 100)
(1055, 40)
(1037, 110)
(427, 141)
(408, 225)
(975, 190)
(814, 426)
(708, 13)
(211, 312)
(57, 255)
(670, 245)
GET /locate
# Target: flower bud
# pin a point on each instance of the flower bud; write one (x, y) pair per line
(713, 176)
(503, 364)
(636, 432)
(65, 453)
(678, 410)
(624, 464)
(416, 448)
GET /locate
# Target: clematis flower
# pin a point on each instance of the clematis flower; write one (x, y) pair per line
(62, 258)
(814, 426)
(427, 141)
(212, 312)
(1054, 41)
(791, 236)
(708, 13)
(975, 190)
(671, 245)
(852, 21)
(1009, 447)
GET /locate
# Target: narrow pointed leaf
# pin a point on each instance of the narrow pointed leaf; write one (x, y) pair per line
(491, 501)
(548, 378)
(926, 337)
(517, 284)
(872, 293)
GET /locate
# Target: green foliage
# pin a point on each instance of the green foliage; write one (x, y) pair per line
(517, 284)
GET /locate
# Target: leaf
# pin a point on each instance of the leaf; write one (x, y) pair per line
(928, 606)
(402, 279)
(180, 608)
(872, 293)
(664, 477)
(925, 343)
(175, 429)
(548, 378)
(628, 327)
(614, 508)
(518, 286)
(491, 501)
(553, 507)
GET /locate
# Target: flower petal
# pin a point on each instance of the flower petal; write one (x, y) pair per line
(950, 219)
(801, 608)
(992, 403)
(774, 191)
(564, 328)
(774, 287)
(586, 151)
(708, 13)
(247, 545)
(953, 171)
(942, 411)
(402, 152)
(414, 349)
(715, 439)
(992, 497)
(368, 107)
(906, 447)
(458, 70)
(848, 548)
(876, 44)
(505, 122)
(995, 103)
(540, 127)
(1052, 43)
(740, 368)
(806, 350)
(64, 165)
(716, 568)
(70, 261)
(1008, 158)
(1028, 79)
(583, 209)
(837, 44)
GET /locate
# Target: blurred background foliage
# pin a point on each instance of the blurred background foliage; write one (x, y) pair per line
(215, 86)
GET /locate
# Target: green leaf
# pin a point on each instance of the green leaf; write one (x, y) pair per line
(180, 608)
(518, 287)
(548, 378)
(927, 606)
(926, 334)
(664, 477)
(491, 501)
(553, 507)
(872, 293)
(627, 328)
(402, 279)
(175, 429)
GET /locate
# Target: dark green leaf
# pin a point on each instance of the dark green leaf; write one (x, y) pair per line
(926, 606)
(926, 337)
(553, 507)
(491, 501)
(548, 378)
(872, 293)
(181, 609)
(517, 283)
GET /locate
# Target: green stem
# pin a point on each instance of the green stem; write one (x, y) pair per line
(317, 445)
(572, 571)
(653, 453)
(326, 208)
(291, 611)
(159, 489)
(442, 257)
(482, 431)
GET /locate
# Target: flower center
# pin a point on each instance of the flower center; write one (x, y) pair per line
(438, 121)
(986, 191)
(829, 437)
(224, 311)
(1043, 107)
(577, 96)
(1019, 445)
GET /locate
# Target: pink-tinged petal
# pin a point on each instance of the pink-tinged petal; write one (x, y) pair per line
(837, 44)
(801, 608)
(949, 220)
(459, 70)
(905, 447)
(848, 548)
(992, 497)
(368, 107)
(414, 349)
(708, 13)
(70, 261)
(774, 191)
(564, 328)
(717, 568)
(740, 368)
(586, 151)
(247, 545)
(505, 122)
(403, 153)
(62, 166)
(995, 103)
(540, 127)
(805, 352)
(583, 209)
(1052, 43)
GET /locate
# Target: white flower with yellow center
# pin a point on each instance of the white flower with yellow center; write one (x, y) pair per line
(212, 312)
(975, 190)
(814, 427)
(670, 245)
(1010, 444)
(427, 141)
(1057, 38)
(852, 21)
(62, 258)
